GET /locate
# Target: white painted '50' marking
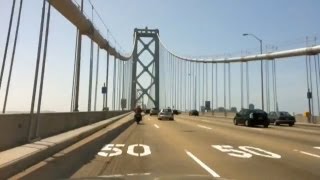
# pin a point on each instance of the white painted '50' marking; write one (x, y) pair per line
(146, 150)
(247, 151)
(232, 152)
(117, 151)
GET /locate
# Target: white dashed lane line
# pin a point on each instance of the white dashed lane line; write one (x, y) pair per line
(156, 126)
(316, 147)
(204, 166)
(309, 154)
(205, 127)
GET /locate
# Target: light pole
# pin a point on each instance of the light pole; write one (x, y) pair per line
(262, 98)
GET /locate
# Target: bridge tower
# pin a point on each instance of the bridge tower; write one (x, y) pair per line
(144, 39)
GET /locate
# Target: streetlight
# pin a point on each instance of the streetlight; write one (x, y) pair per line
(262, 98)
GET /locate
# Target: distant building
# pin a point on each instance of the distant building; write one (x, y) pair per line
(251, 106)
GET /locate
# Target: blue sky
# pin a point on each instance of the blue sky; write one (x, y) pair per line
(189, 28)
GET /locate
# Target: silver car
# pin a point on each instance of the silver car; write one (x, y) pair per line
(166, 114)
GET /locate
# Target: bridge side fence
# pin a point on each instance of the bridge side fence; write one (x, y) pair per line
(14, 127)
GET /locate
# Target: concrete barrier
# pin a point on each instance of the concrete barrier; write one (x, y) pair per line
(20, 158)
(14, 127)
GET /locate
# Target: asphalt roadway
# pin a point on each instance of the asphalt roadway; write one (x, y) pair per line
(205, 148)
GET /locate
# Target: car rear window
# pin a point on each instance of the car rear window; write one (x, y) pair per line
(258, 111)
(166, 110)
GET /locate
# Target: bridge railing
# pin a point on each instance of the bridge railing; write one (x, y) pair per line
(14, 128)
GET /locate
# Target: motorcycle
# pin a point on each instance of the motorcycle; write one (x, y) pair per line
(137, 118)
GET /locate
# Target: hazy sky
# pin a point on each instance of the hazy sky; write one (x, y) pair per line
(188, 27)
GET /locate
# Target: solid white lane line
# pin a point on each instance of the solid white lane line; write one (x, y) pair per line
(204, 166)
(156, 126)
(203, 126)
(316, 147)
(139, 174)
(111, 176)
(310, 154)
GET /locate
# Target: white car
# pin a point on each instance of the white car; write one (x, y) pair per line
(166, 114)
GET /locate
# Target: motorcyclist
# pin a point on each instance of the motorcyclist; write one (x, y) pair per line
(137, 114)
(138, 110)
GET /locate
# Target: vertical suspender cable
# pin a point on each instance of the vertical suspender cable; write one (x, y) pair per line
(194, 86)
(74, 72)
(123, 84)
(241, 81)
(12, 57)
(43, 69)
(308, 84)
(114, 83)
(266, 73)
(206, 82)
(268, 87)
(318, 71)
(190, 86)
(212, 90)
(119, 84)
(107, 81)
(274, 87)
(90, 68)
(275, 81)
(175, 83)
(199, 77)
(217, 86)
(76, 104)
(224, 88)
(179, 86)
(186, 79)
(172, 81)
(203, 84)
(311, 87)
(31, 129)
(247, 82)
(317, 83)
(185, 84)
(7, 42)
(97, 79)
(229, 76)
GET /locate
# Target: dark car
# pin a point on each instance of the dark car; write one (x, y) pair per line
(194, 113)
(176, 112)
(282, 117)
(147, 111)
(154, 111)
(251, 117)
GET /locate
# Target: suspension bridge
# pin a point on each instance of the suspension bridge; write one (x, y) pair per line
(100, 139)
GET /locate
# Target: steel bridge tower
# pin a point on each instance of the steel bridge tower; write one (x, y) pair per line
(144, 38)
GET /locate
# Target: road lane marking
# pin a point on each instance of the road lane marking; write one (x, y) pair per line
(204, 166)
(139, 174)
(205, 127)
(316, 147)
(309, 154)
(112, 176)
(146, 150)
(156, 126)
